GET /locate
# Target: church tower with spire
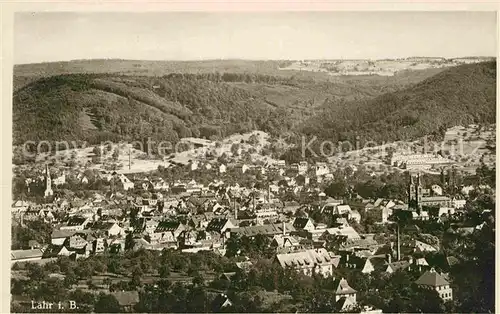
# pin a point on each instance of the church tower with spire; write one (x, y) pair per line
(48, 183)
(415, 192)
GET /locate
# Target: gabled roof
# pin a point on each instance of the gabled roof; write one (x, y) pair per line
(399, 265)
(344, 304)
(281, 240)
(341, 286)
(300, 222)
(343, 207)
(349, 232)
(53, 250)
(22, 254)
(452, 260)
(244, 265)
(268, 229)
(431, 278)
(75, 221)
(220, 302)
(421, 261)
(307, 258)
(58, 234)
(216, 224)
(167, 225)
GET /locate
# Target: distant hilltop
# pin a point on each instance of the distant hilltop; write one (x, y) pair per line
(383, 67)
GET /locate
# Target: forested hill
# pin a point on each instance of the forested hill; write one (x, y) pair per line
(460, 95)
(112, 107)
(211, 103)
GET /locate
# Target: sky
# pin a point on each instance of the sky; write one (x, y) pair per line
(64, 36)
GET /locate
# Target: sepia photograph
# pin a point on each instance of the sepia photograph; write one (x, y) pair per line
(253, 162)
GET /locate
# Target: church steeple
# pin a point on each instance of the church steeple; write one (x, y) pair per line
(414, 191)
(48, 183)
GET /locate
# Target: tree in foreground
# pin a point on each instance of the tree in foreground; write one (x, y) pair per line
(107, 303)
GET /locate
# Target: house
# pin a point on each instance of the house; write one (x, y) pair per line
(220, 225)
(342, 209)
(168, 204)
(452, 261)
(126, 299)
(355, 215)
(267, 229)
(245, 266)
(75, 223)
(143, 206)
(386, 213)
(160, 185)
(59, 236)
(108, 228)
(26, 255)
(346, 232)
(241, 168)
(33, 244)
(222, 168)
(369, 206)
(303, 167)
(437, 190)
(175, 227)
(458, 203)
(198, 221)
(318, 261)
(57, 250)
(362, 263)
(188, 238)
(220, 302)
(193, 165)
(330, 206)
(392, 267)
(421, 247)
(281, 163)
(76, 241)
(288, 242)
(343, 290)
(370, 310)
(19, 206)
(125, 182)
(432, 280)
(421, 262)
(303, 224)
(344, 304)
(98, 245)
(321, 169)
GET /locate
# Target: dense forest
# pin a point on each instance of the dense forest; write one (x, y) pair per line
(105, 107)
(54, 104)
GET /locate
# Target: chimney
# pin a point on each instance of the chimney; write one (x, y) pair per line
(253, 198)
(398, 247)
(235, 211)
(389, 258)
(284, 227)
